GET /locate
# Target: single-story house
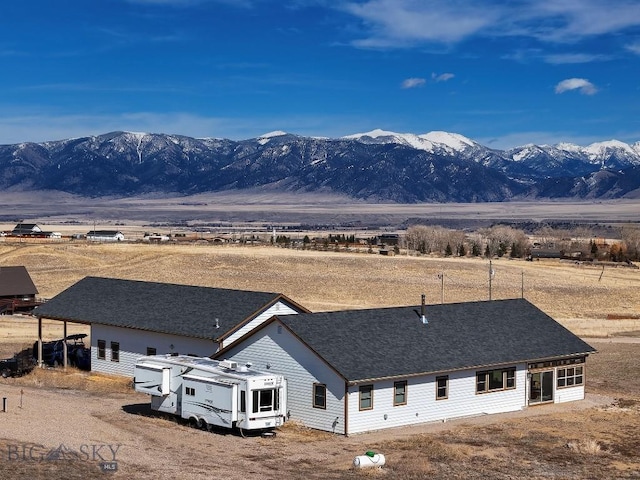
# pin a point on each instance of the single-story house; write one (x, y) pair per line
(105, 236)
(360, 370)
(130, 319)
(17, 290)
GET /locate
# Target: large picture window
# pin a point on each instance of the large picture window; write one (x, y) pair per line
(495, 380)
(319, 395)
(366, 397)
(400, 393)
(570, 377)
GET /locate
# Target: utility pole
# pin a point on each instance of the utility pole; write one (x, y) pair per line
(441, 277)
(522, 287)
(491, 273)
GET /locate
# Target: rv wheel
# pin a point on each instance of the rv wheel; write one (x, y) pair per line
(6, 374)
(202, 424)
(193, 422)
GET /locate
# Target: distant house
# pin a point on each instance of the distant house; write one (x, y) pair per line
(360, 370)
(17, 290)
(26, 229)
(388, 239)
(105, 236)
(537, 253)
(130, 319)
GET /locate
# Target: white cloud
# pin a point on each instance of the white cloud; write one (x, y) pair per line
(574, 58)
(443, 77)
(402, 23)
(634, 48)
(584, 86)
(406, 22)
(413, 82)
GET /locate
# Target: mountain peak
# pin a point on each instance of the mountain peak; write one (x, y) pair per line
(453, 140)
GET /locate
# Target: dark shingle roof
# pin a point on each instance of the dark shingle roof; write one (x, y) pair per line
(160, 307)
(389, 342)
(16, 281)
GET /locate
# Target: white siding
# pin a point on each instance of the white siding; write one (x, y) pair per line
(278, 308)
(275, 349)
(134, 343)
(569, 394)
(422, 405)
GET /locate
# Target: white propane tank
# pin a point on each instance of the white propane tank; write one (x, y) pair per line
(369, 460)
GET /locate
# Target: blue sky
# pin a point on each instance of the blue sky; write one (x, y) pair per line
(504, 73)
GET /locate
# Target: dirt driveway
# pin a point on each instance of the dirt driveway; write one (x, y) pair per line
(106, 427)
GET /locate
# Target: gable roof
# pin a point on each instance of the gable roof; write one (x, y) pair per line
(16, 281)
(390, 342)
(26, 229)
(159, 307)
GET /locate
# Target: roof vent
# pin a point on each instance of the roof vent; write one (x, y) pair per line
(217, 323)
(423, 317)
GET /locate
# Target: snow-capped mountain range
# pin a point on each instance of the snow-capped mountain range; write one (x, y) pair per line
(379, 166)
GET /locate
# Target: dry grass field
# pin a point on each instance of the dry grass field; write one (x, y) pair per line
(595, 439)
(588, 299)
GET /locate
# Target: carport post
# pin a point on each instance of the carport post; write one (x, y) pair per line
(40, 341)
(64, 345)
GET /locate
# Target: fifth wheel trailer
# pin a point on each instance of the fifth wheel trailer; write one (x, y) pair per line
(209, 392)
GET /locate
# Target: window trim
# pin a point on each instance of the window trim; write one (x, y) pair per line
(102, 350)
(362, 390)
(115, 348)
(486, 380)
(395, 393)
(566, 377)
(314, 392)
(446, 387)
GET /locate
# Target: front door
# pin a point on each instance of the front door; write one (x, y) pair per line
(541, 387)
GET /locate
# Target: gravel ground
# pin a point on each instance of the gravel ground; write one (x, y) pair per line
(104, 427)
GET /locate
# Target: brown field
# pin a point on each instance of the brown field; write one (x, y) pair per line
(595, 439)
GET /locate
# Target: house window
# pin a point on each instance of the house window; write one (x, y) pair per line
(115, 351)
(190, 391)
(495, 380)
(319, 395)
(366, 397)
(569, 377)
(442, 387)
(102, 347)
(400, 393)
(151, 351)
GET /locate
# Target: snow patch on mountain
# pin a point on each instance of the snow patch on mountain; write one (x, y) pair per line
(454, 141)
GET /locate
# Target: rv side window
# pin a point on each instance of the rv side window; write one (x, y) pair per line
(243, 401)
(190, 391)
(151, 351)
